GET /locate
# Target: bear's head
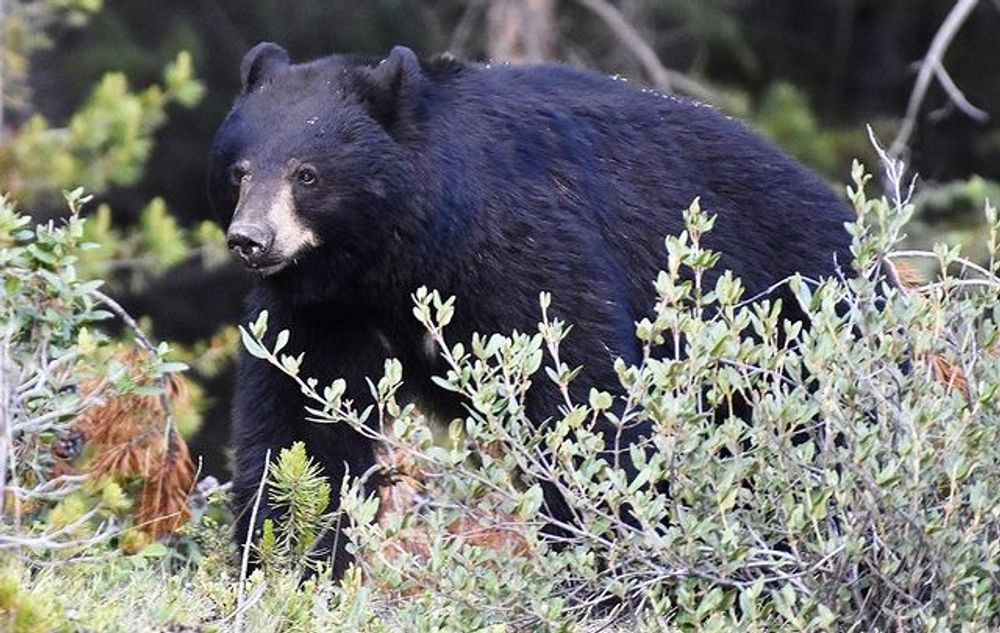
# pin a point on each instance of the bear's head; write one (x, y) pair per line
(312, 159)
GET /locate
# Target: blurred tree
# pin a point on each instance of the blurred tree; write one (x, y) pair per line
(104, 143)
(23, 31)
(522, 31)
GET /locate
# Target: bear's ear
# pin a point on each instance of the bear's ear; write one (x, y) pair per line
(388, 90)
(261, 63)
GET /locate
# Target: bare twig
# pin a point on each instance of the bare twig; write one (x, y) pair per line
(246, 606)
(932, 66)
(463, 30)
(127, 318)
(957, 95)
(966, 264)
(56, 488)
(52, 540)
(894, 170)
(662, 77)
(245, 563)
(6, 415)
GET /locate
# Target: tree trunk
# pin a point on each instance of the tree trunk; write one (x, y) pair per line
(522, 31)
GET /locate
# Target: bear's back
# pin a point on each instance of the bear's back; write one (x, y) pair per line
(602, 159)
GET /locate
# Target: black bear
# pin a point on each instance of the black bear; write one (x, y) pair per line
(346, 183)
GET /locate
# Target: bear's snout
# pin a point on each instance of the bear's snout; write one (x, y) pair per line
(250, 242)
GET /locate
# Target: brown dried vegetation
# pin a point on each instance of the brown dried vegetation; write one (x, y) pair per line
(127, 437)
(404, 494)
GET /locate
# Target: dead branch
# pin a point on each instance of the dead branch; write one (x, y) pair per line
(662, 77)
(463, 30)
(245, 561)
(932, 67)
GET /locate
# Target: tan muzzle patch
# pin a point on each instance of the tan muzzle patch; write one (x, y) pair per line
(276, 208)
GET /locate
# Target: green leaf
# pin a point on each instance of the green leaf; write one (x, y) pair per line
(281, 341)
(258, 327)
(154, 550)
(252, 347)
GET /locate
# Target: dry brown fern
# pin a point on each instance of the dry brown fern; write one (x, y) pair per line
(163, 506)
(128, 436)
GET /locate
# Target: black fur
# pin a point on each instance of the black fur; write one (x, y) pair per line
(490, 183)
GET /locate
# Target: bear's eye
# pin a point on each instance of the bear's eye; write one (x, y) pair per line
(306, 175)
(238, 172)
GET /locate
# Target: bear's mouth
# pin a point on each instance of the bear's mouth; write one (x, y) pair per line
(268, 269)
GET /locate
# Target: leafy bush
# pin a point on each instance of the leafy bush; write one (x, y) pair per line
(65, 385)
(860, 494)
(862, 491)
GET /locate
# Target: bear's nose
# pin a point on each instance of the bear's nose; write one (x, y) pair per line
(250, 242)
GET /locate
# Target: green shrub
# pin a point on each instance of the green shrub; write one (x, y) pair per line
(57, 369)
(864, 492)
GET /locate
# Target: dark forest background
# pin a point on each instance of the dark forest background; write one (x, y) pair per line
(810, 75)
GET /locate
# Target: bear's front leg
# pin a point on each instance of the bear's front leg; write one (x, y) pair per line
(266, 409)
(270, 415)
